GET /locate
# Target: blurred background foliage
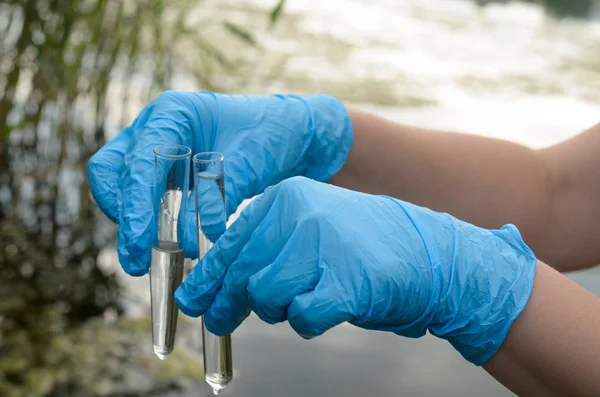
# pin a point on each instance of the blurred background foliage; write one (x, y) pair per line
(66, 68)
(70, 70)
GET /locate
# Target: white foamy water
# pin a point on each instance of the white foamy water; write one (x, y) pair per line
(506, 71)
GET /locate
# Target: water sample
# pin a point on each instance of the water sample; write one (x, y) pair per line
(218, 360)
(211, 220)
(167, 265)
(172, 170)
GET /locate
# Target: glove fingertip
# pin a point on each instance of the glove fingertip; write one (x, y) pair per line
(135, 271)
(306, 336)
(184, 303)
(216, 324)
(129, 265)
(135, 242)
(223, 325)
(193, 296)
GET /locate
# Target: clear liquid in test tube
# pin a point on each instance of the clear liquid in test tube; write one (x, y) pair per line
(172, 170)
(211, 222)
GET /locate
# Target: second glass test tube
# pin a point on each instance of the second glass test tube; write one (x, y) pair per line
(209, 179)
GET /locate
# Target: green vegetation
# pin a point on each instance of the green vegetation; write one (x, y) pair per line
(569, 8)
(71, 71)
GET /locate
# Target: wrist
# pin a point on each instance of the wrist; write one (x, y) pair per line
(481, 281)
(331, 136)
(485, 279)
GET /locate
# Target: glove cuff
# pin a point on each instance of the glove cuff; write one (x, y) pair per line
(331, 136)
(485, 284)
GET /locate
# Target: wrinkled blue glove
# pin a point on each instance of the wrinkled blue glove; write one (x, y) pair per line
(317, 255)
(264, 139)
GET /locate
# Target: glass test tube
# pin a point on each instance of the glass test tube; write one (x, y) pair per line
(211, 223)
(172, 176)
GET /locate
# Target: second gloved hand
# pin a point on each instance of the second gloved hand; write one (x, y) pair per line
(318, 255)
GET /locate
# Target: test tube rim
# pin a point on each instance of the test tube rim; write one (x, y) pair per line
(218, 157)
(186, 151)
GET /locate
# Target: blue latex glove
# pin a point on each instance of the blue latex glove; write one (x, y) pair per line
(264, 139)
(317, 255)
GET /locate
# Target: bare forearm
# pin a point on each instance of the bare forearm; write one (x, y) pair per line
(485, 181)
(552, 349)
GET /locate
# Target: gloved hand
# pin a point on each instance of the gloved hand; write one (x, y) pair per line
(264, 139)
(317, 255)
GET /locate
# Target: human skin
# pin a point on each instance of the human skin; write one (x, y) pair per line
(551, 194)
(552, 348)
